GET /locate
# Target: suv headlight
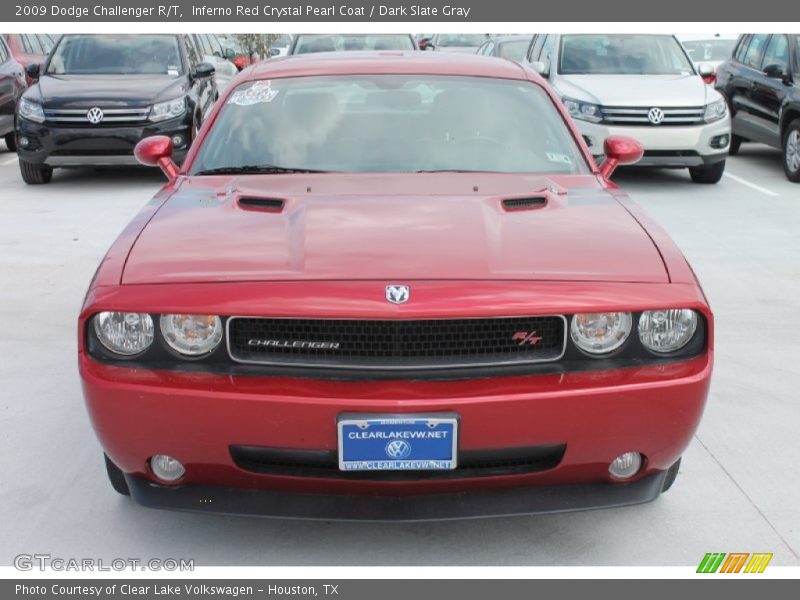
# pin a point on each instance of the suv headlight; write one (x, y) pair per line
(168, 110)
(664, 331)
(30, 110)
(126, 334)
(600, 333)
(715, 111)
(586, 111)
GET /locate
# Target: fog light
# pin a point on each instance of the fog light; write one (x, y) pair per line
(720, 141)
(177, 141)
(23, 141)
(166, 468)
(626, 465)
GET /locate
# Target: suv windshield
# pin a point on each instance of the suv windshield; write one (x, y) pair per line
(713, 50)
(389, 123)
(116, 55)
(308, 43)
(622, 55)
(454, 40)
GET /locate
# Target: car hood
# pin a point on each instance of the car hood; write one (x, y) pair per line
(393, 228)
(637, 90)
(59, 91)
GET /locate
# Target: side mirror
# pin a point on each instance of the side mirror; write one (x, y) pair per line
(229, 53)
(774, 71)
(156, 151)
(540, 68)
(274, 51)
(705, 70)
(32, 71)
(424, 43)
(619, 150)
(202, 70)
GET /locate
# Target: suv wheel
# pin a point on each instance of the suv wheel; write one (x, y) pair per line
(35, 174)
(736, 143)
(11, 142)
(707, 174)
(791, 151)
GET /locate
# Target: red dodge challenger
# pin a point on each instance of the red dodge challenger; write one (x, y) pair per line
(393, 286)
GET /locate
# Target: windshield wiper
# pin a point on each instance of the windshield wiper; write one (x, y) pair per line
(256, 169)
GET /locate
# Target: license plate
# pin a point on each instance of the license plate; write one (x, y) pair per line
(398, 443)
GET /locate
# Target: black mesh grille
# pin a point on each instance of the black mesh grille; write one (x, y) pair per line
(430, 343)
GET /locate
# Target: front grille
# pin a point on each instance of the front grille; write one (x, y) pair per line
(627, 115)
(111, 116)
(323, 464)
(396, 344)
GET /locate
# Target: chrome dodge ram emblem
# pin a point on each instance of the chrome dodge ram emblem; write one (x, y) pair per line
(655, 116)
(94, 115)
(397, 294)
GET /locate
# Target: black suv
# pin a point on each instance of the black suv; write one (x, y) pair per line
(762, 85)
(98, 95)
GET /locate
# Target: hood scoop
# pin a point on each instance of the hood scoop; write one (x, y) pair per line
(272, 205)
(525, 203)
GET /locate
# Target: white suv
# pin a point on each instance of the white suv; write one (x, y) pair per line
(643, 86)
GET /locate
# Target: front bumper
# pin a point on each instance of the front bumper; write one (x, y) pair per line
(665, 145)
(431, 507)
(70, 146)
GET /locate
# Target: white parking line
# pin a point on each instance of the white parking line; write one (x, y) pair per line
(750, 184)
(9, 161)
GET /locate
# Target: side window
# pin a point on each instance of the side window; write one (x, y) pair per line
(741, 48)
(46, 42)
(777, 53)
(487, 49)
(31, 44)
(4, 53)
(752, 58)
(216, 47)
(191, 54)
(547, 50)
(535, 48)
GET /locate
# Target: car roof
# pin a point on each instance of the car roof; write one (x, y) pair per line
(388, 62)
(502, 39)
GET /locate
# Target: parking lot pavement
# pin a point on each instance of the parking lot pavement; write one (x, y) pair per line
(738, 489)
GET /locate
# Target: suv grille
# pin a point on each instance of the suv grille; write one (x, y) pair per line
(111, 116)
(397, 344)
(627, 115)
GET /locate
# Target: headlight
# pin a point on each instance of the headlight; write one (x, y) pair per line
(192, 335)
(715, 111)
(600, 333)
(30, 110)
(666, 331)
(123, 333)
(583, 110)
(168, 110)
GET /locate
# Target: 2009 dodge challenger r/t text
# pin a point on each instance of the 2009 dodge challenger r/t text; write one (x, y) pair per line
(393, 286)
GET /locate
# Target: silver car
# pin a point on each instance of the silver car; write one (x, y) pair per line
(640, 85)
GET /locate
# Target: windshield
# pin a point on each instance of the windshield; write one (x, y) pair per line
(515, 50)
(461, 39)
(116, 55)
(713, 50)
(336, 43)
(622, 55)
(390, 123)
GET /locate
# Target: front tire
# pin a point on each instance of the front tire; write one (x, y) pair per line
(707, 173)
(116, 477)
(791, 151)
(736, 144)
(35, 174)
(11, 142)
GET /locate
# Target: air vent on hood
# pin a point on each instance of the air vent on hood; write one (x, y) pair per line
(524, 203)
(262, 204)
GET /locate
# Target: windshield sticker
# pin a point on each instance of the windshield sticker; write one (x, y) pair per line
(259, 92)
(172, 70)
(559, 158)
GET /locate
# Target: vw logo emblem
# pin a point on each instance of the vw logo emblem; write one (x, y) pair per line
(398, 449)
(655, 116)
(94, 115)
(397, 294)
